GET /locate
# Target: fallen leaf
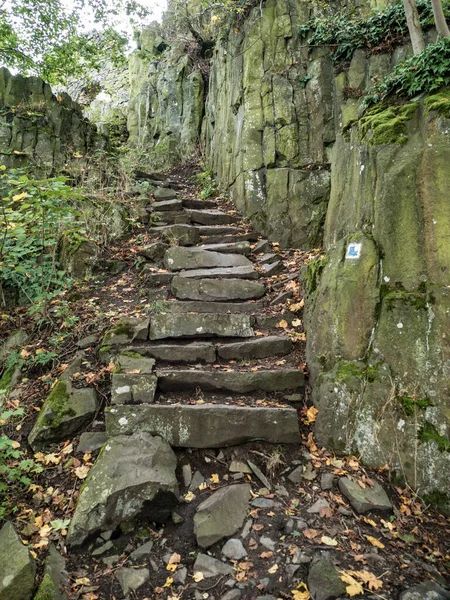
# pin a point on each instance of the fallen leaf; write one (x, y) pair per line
(266, 555)
(372, 582)
(257, 527)
(82, 472)
(296, 323)
(273, 569)
(215, 478)
(172, 567)
(198, 576)
(374, 542)
(311, 414)
(353, 587)
(189, 497)
(168, 582)
(310, 533)
(328, 541)
(301, 592)
(283, 324)
(175, 559)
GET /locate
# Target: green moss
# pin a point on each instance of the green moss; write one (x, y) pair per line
(6, 378)
(117, 370)
(123, 328)
(131, 354)
(105, 349)
(409, 404)
(430, 433)
(47, 590)
(439, 500)
(439, 102)
(388, 124)
(55, 406)
(312, 272)
(349, 371)
(418, 300)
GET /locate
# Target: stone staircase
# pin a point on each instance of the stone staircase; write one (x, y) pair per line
(209, 368)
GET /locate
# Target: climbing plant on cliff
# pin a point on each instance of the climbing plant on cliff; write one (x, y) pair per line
(46, 38)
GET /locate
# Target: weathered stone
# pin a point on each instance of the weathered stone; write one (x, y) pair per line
(55, 578)
(233, 381)
(260, 475)
(133, 389)
(221, 515)
(180, 576)
(87, 342)
(125, 331)
(274, 268)
(177, 352)
(199, 204)
(132, 579)
(163, 193)
(229, 248)
(187, 475)
(223, 273)
(172, 325)
(232, 595)
(327, 481)
(156, 280)
(428, 590)
(196, 481)
(364, 500)
(181, 235)
(268, 542)
(141, 552)
(133, 474)
(213, 290)
(129, 360)
(14, 341)
(239, 467)
(203, 426)
(154, 252)
(258, 348)
(263, 503)
(179, 258)
(171, 217)
(165, 205)
(318, 506)
(17, 567)
(211, 567)
(214, 230)
(268, 259)
(262, 246)
(200, 306)
(234, 550)
(324, 582)
(90, 441)
(211, 217)
(230, 238)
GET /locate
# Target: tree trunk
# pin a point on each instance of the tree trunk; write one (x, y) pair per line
(439, 19)
(414, 26)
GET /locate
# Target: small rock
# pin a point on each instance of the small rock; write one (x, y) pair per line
(187, 475)
(263, 503)
(294, 397)
(91, 440)
(428, 590)
(302, 472)
(301, 558)
(234, 549)
(88, 341)
(291, 570)
(132, 579)
(326, 481)
(247, 529)
(110, 560)
(281, 298)
(262, 246)
(259, 474)
(141, 552)
(320, 504)
(363, 500)
(264, 582)
(154, 252)
(289, 527)
(344, 511)
(300, 524)
(239, 467)
(55, 576)
(324, 582)
(196, 481)
(273, 269)
(236, 476)
(102, 549)
(231, 595)
(268, 543)
(180, 576)
(177, 519)
(211, 567)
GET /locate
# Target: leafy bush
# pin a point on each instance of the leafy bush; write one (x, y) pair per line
(207, 184)
(33, 213)
(385, 29)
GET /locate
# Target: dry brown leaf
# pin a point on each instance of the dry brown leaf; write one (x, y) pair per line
(283, 324)
(266, 555)
(374, 542)
(311, 414)
(369, 579)
(310, 533)
(198, 576)
(328, 541)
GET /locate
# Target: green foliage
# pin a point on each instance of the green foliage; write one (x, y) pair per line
(427, 71)
(384, 29)
(14, 468)
(207, 184)
(387, 124)
(33, 214)
(410, 404)
(430, 433)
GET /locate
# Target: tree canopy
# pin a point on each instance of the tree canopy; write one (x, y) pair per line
(48, 37)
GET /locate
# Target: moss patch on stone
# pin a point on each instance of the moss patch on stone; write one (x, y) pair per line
(122, 328)
(6, 378)
(387, 124)
(131, 354)
(348, 371)
(416, 299)
(105, 349)
(410, 404)
(430, 433)
(312, 272)
(55, 407)
(439, 103)
(47, 590)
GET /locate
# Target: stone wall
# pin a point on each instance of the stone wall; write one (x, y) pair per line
(40, 128)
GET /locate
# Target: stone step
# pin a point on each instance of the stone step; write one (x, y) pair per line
(195, 325)
(179, 234)
(186, 306)
(229, 248)
(252, 236)
(199, 204)
(261, 347)
(179, 258)
(211, 217)
(223, 273)
(132, 389)
(213, 290)
(167, 205)
(162, 193)
(205, 426)
(177, 352)
(218, 230)
(172, 217)
(241, 382)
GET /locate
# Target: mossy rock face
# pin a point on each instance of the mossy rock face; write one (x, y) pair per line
(125, 331)
(387, 124)
(440, 103)
(55, 577)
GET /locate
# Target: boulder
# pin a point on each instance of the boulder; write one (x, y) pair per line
(17, 567)
(181, 235)
(324, 582)
(213, 290)
(172, 325)
(55, 578)
(364, 500)
(179, 258)
(428, 590)
(221, 515)
(203, 426)
(133, 475)
(154, 252)
(162, 193)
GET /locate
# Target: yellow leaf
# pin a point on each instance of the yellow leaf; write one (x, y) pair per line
(189, 497)
(175, 559)
(374, 542)
(273, 569)
(168, 583)
(353, 587)
(296, 323)
(198, 576)
(328, 541)
(311, 414)
(203, 486)
(82, 472)
(68, 449)
(369, 579)
(215, 478)
(301, 592)
(82, 581)
(172, 567)
(370, 522)
(15, 445)
(20, 196)
(44, 531)
(283, 324)
(214, 18)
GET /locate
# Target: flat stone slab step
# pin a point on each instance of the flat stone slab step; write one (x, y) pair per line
(205, 426)
(184, 306)
(208, 230)
(211, 217)
(213, 290)
(241, 382)
(178, 217)
(181, 234)
(132, 389)
(199, 204)
(179, 258)
(164, 194)
(223, 273)
(256, 348)
(179, 352)
(166, 205)
(229, 248)
(252, 236)
(173, 325)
